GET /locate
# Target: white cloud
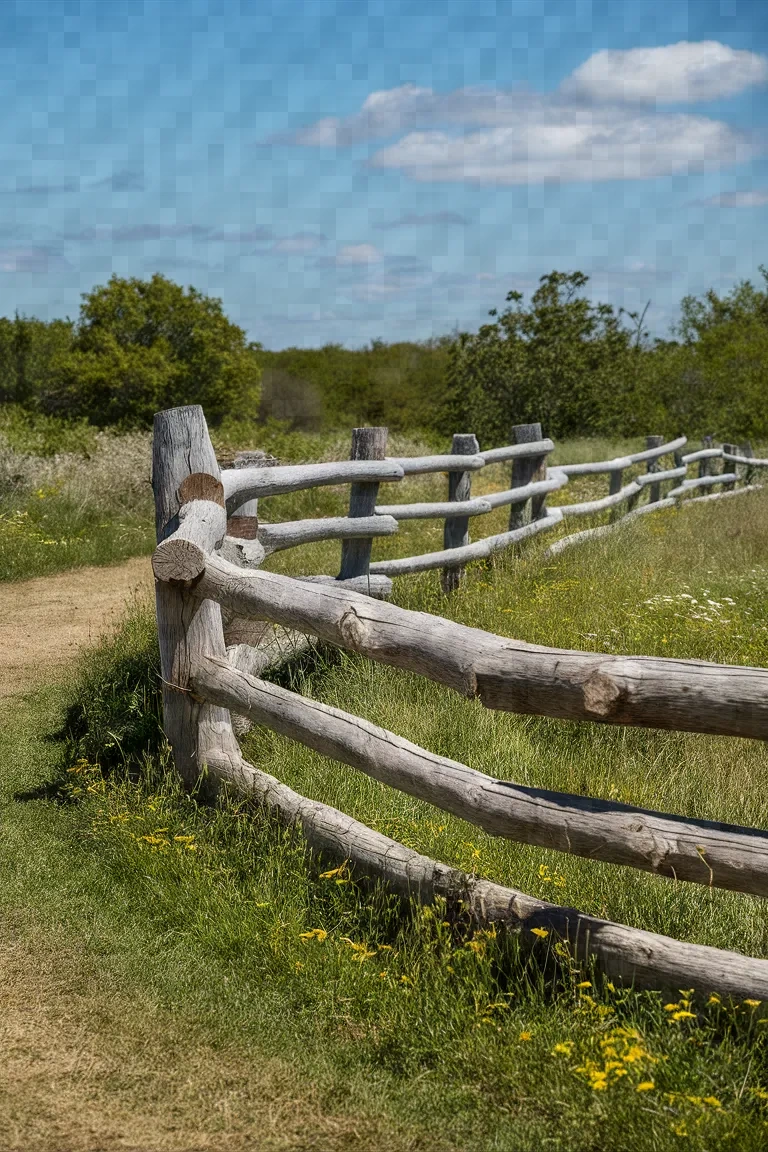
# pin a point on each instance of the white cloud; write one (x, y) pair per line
(592, 128)
(683, 73)
(755, 198)
(582, 144)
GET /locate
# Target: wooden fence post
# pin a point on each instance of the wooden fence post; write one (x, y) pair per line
(187, 628)
(456, 531)
(728, 467)
(704, 469)
(746, 449)
(654, 490)
(367, 444)
(524, 470)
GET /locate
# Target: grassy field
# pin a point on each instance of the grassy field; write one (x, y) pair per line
(248, 999)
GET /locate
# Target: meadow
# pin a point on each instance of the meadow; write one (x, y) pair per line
(253, 995)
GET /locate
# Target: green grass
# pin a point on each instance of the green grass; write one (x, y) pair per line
(426, 1038)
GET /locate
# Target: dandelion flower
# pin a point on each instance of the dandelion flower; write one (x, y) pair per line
(753, 1003)
(542, 933)
(585, 984)
(645, 1086)
(524, 1036)
(315, 934)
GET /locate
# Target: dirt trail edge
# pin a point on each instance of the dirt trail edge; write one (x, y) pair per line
(45, 621)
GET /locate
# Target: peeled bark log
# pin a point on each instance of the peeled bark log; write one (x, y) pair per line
(637, 958)
(701, 851)
(646, 691)
(455, 557)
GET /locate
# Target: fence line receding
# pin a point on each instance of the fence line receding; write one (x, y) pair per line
(208, 579)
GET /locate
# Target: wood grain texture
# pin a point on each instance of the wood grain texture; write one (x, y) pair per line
(595, 467)
(437, 510)
(201, 486)
(456, 528)
(188, 626)
(605, 529)
(293, 533)
(423, 465)
(588, 507)
(518, 451)
(653, 453)
(201, 529)
(480, 550)
(555, 480)
(654, 489)
(657, 477)
(702, 482)
(242, 484)
(702, 454)
(368, 444)
(525, 470)
(242, 527)
(700, 851)
(507, 674)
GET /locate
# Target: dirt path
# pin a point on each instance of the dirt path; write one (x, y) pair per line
(43, 622)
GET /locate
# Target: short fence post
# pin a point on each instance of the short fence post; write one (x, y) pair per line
(728, 466)
(704, 469)
(456, 531)
(746, 449)
(524, 470)
(187, 628)
(616, 478)
(367, 444)
(654, 493)
(243, 524)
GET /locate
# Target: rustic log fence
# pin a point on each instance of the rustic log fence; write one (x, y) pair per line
(202, 567)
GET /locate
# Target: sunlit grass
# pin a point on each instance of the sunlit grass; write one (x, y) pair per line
(393, 1015)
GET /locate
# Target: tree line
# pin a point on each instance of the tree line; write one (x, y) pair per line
(579, 367)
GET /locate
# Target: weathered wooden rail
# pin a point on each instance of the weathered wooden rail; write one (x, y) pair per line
(207, 560)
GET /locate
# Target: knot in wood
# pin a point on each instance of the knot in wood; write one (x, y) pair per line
(354, 631)
(601, 694)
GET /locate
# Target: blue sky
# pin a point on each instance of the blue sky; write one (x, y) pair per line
(339, 171)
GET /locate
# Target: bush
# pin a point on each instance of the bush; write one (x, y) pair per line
(141, 346)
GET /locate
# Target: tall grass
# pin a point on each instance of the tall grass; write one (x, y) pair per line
(70, 495)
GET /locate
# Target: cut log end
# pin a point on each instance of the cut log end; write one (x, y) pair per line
(201, 486)
(178, 560)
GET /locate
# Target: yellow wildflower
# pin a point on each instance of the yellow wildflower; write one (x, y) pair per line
(585, 984)
(315, 934)
(683, 1015)
(524, 1036)
(563, 1049)
(753, 1003)
(712, 1101)
(542, 933)
(645, 1086)
(333, 872)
